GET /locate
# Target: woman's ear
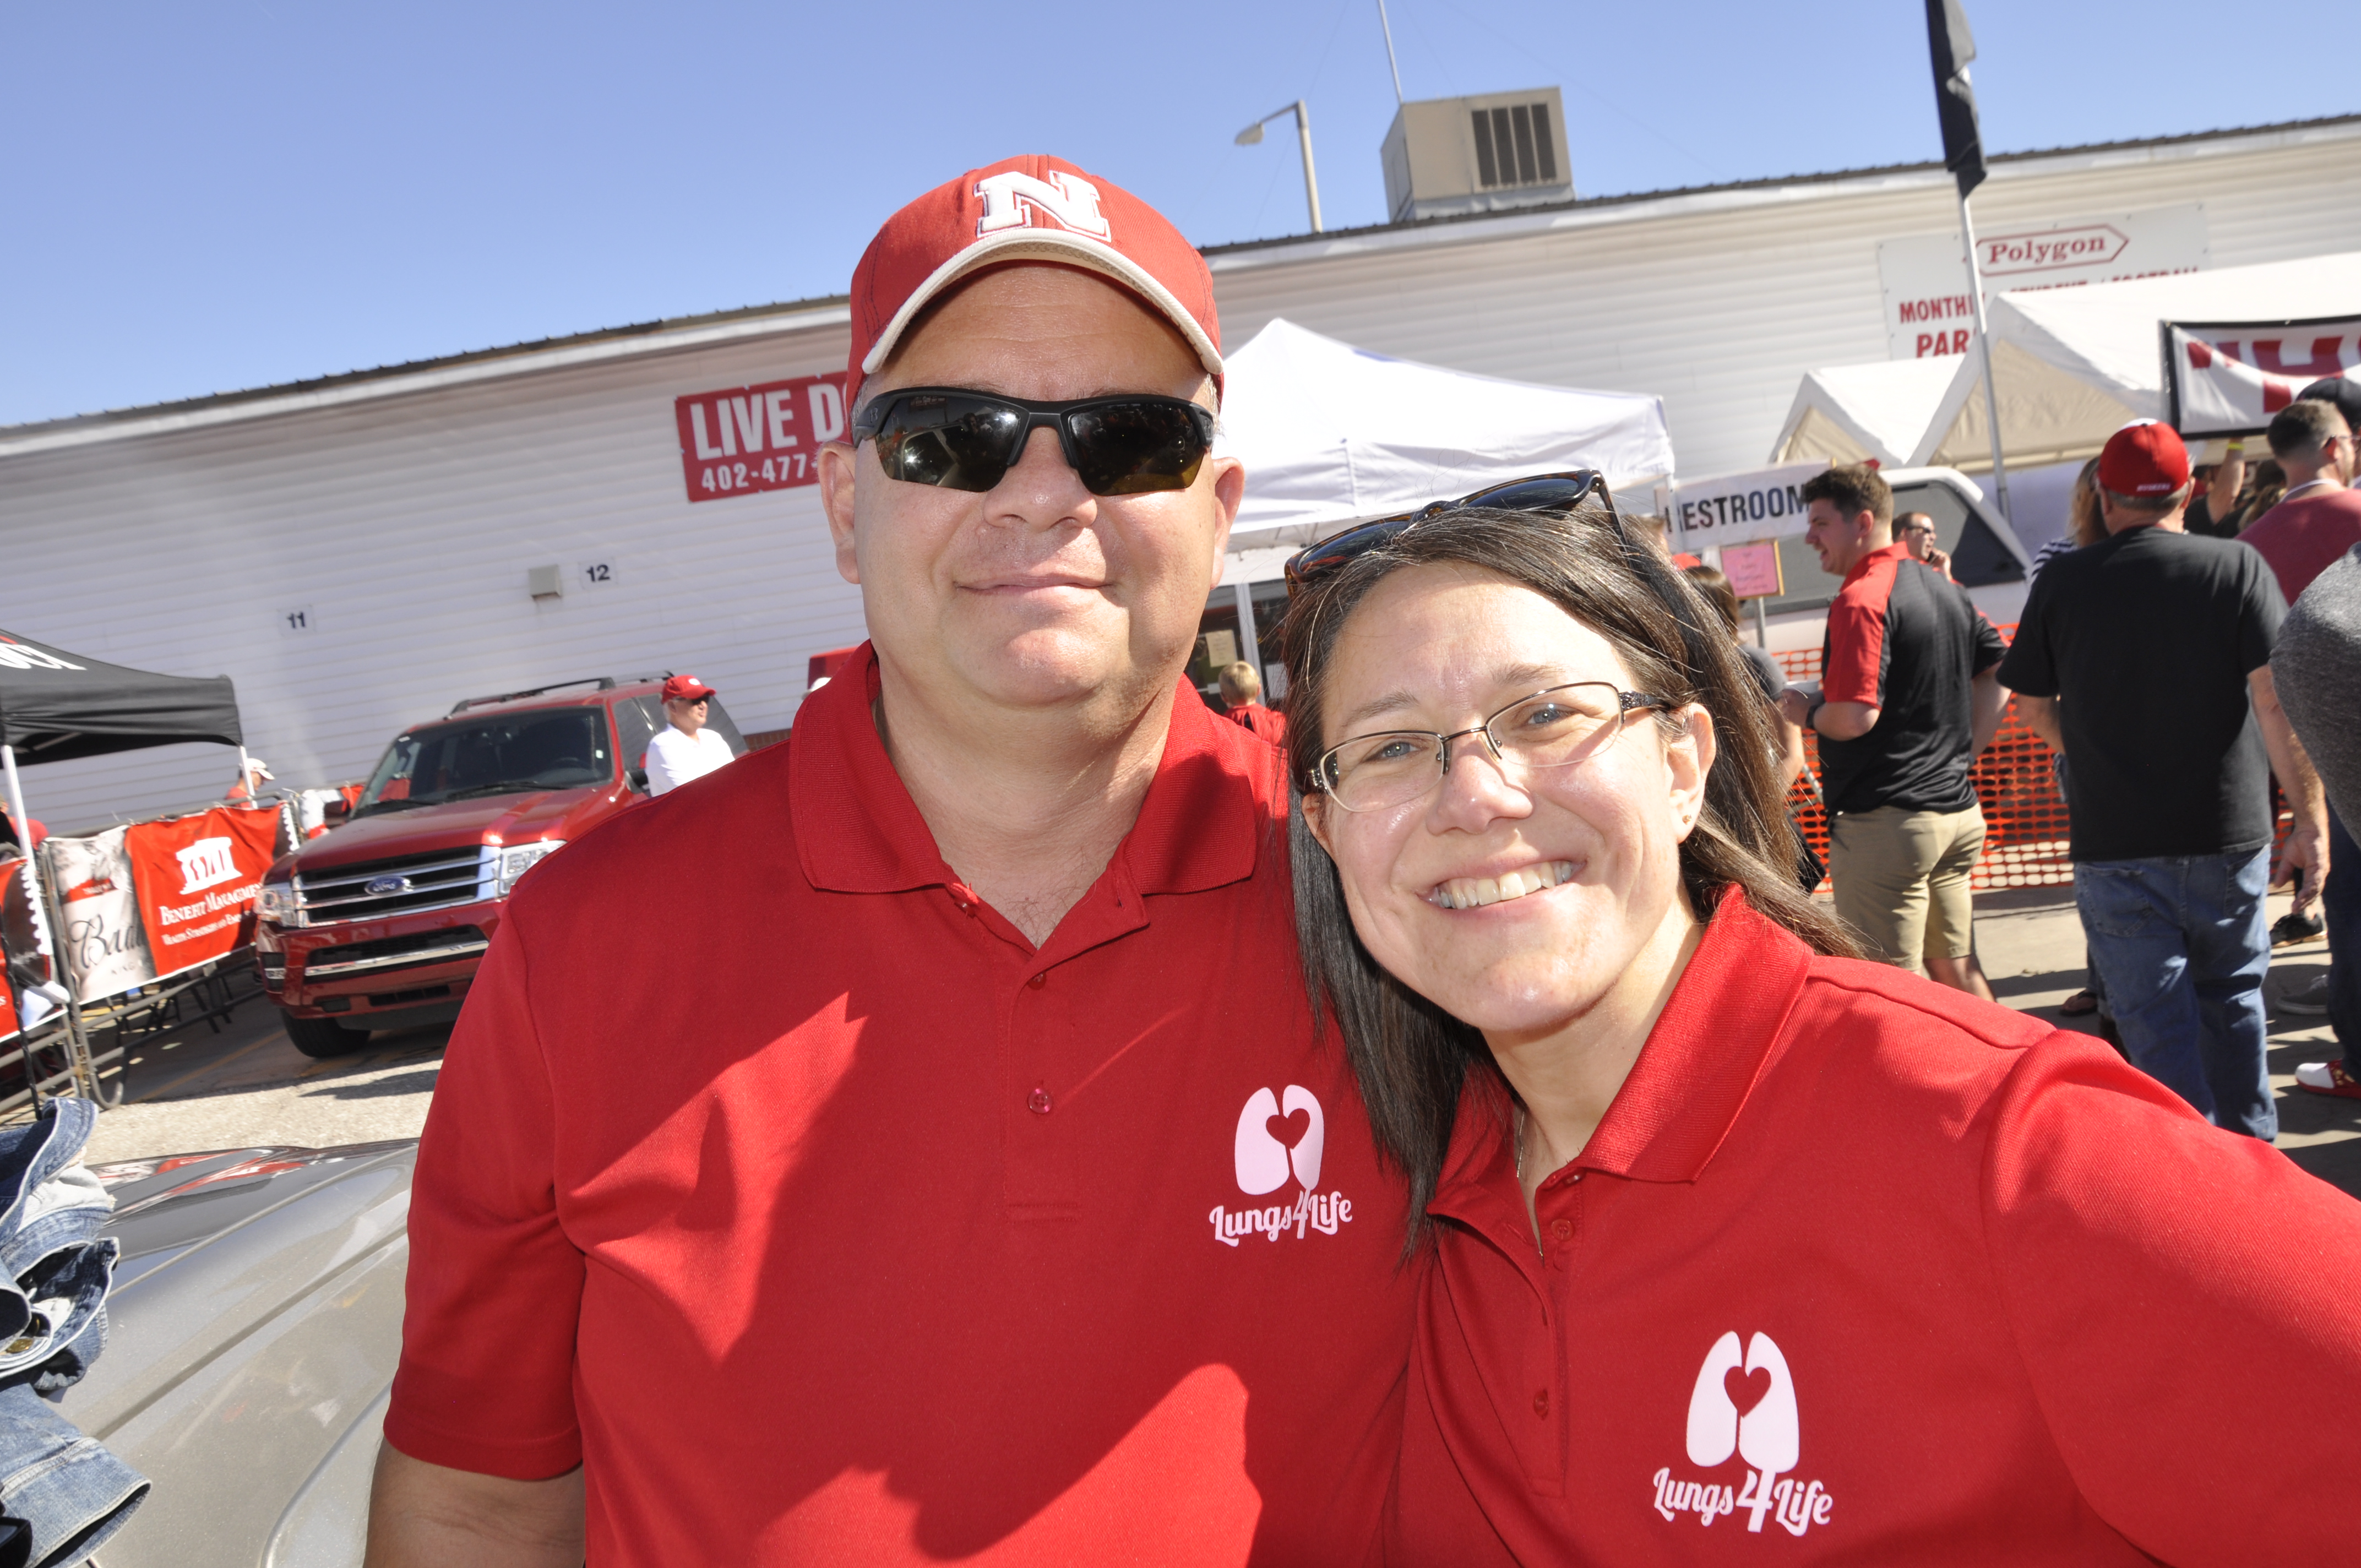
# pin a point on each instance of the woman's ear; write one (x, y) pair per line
(1316, 816)
(1689, 758)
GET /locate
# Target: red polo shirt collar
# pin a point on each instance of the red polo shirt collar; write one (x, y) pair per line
(1685, 1090)
(1861, 568)
(857, 830)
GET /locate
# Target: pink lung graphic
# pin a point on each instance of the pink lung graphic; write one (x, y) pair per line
(1768, 1436)
(1263, 1161)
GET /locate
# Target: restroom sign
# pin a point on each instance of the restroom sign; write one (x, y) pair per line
(742, 440)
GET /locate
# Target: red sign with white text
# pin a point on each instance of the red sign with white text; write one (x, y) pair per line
(742, 440)
(197, 877)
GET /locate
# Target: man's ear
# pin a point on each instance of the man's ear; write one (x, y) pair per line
(837, 462)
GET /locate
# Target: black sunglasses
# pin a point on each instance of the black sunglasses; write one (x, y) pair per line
(959, 440)
(1550, 494)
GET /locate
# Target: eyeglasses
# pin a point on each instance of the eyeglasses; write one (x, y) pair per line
(1553, 728)
(1555, 494)
(959, 440)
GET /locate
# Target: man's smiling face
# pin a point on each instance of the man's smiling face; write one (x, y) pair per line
(1036, 593)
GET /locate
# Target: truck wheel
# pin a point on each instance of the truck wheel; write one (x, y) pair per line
(323, 1036)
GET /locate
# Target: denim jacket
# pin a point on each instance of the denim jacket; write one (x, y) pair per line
(61, 1494)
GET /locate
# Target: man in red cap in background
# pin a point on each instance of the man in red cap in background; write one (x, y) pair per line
(2146, 659)
(990, 1196)
(688, 749)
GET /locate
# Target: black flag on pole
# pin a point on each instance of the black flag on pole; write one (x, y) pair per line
(1952, 46)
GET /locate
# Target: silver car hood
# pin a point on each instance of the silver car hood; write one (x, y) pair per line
(255, 1323)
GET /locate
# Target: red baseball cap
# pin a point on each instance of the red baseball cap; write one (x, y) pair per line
(686, 688)
(1024, 209)
(2144, 459)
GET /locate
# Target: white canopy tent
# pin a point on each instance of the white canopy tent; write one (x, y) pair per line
(1330, 432)
(1850, 413)
(2074, 365)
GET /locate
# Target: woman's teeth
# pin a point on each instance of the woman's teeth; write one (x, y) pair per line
(1473, 892)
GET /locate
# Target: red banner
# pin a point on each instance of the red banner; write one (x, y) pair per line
(197, 877)
(744, 439)
(10, 871)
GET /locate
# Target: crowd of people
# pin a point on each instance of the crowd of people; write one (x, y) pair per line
(1440, 1128)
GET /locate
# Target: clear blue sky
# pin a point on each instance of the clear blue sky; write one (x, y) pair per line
(203, 198)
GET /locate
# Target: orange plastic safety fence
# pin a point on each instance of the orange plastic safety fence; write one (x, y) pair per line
(2016, 780)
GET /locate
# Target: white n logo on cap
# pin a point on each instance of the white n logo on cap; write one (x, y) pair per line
(1018, 201)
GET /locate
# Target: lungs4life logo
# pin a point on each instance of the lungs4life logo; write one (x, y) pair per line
(1745, 1405)
(1280, 1137)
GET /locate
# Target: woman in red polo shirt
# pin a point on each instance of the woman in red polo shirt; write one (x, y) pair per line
(1738, 1248)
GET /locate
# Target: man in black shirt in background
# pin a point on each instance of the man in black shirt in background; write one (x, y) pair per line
(2146, 659)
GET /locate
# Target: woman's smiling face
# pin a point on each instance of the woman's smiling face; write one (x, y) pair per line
(1515, 898)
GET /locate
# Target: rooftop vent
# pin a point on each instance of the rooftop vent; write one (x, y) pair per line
(1484, 154)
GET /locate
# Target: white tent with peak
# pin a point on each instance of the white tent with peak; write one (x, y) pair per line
(2073, 367)
(1330, 432)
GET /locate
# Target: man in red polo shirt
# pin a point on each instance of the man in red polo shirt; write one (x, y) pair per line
(2315, 523)
(970, 1185)
(1908, 698)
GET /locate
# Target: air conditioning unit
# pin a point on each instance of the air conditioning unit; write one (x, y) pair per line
(1487, 153)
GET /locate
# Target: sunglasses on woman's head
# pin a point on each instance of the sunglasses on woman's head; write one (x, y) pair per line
(1545, 494)
(954, 439)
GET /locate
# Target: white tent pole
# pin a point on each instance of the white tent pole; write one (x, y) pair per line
(245, 775)
(1984, 345)
(79, 1067)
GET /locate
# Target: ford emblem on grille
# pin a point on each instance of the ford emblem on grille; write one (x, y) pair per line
(386, 885)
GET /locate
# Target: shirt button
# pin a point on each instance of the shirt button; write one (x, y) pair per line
(1561, 1229)
(1541, 1403)
(1038, 981)
(1039, 1101)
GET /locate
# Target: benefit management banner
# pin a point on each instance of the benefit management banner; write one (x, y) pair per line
(146, 902)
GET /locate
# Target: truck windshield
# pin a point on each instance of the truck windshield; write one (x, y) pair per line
(565, 749)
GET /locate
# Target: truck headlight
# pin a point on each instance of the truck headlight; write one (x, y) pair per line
(518, 859)
(276, 904)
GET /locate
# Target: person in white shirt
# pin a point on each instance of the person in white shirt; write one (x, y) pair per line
(686, 750)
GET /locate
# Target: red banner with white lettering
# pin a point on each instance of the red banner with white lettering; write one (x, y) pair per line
(743, 440)
(2230, 378)
(197, 877)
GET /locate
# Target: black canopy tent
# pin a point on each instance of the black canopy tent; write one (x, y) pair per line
(55, 705)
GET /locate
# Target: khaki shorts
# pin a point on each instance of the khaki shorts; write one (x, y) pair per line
(1901, 881)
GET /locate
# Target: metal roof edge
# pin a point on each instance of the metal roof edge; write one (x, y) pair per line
(427, 375)
(1468, 228)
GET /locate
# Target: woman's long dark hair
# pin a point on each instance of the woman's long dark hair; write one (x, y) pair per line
(1410, 1059)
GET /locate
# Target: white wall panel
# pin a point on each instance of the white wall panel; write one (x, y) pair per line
(1721, 303)
(407, 525)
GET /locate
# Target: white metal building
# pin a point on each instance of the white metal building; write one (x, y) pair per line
(356, 551)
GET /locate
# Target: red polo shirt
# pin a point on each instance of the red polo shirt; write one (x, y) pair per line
(788, 1187)
(1933, 1282)
(2302, 535)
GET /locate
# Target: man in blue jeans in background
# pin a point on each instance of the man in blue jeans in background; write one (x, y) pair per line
(2146, 659)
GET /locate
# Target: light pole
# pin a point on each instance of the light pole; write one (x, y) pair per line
(1253, 134)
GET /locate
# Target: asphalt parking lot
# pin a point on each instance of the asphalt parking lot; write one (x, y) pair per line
(194, 1089)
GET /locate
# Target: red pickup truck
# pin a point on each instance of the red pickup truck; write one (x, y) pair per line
(380, 924)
